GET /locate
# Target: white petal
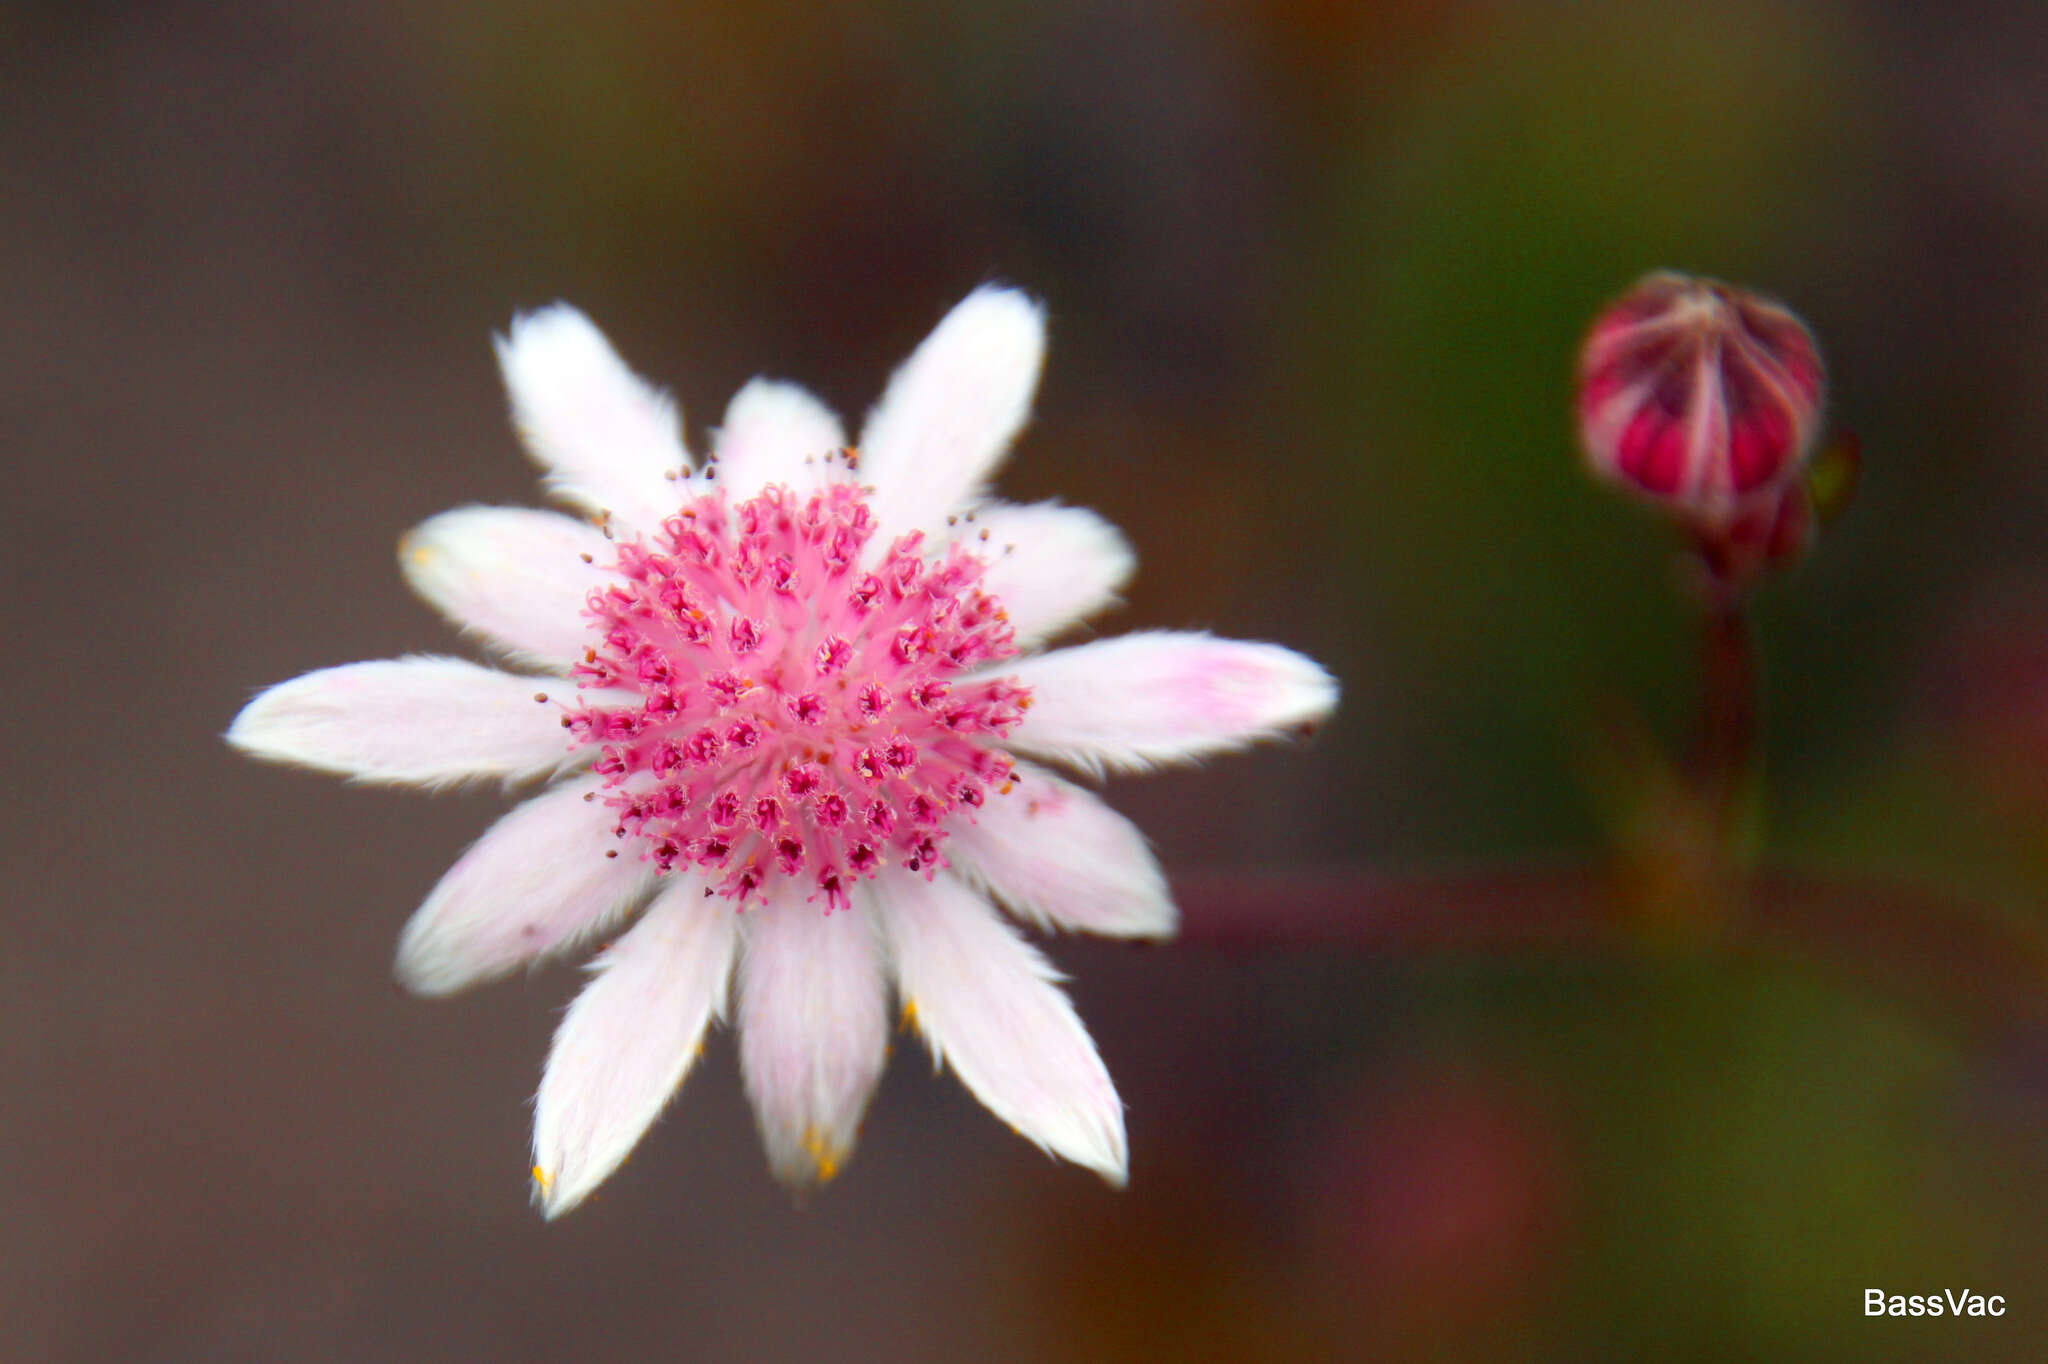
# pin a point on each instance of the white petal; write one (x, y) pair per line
(628, 1040)
(426, 721)
(514, 575)
(1057, 856)
(608, 440)
(814, 1030)
(538, 882)
(775, 433)
(985, 1001)
(1049, 565)
(951, 411)
(1135, 701)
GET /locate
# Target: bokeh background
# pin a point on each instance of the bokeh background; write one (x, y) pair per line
(1315, 271)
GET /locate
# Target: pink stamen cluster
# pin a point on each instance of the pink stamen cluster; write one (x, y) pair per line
(796, 713)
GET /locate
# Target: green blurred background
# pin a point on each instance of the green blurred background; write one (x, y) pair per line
(1316, 272)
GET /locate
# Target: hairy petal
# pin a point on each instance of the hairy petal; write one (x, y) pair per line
(514, 575)
(985, 1001)
(774, 433)
(1058, 857)
(1049, 565)
(951, 411)
(628, 1040)
(537, 883)
(609, 441)
(1136, 701)
(422, 721)
(814, 1030)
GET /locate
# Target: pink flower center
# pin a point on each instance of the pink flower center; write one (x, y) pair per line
(764, 706)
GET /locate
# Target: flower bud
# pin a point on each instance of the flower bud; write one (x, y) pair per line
(1700, 396)
(1763, 535)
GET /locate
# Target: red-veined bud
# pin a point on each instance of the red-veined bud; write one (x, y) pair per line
(1766, 535)
(1700, 396)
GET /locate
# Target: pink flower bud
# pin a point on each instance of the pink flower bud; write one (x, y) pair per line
(1700, 396)
(1764, 535)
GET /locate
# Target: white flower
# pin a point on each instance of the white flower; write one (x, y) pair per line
(784, 701)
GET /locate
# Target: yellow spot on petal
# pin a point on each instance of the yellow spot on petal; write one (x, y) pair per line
(543, 1178)
(909, 1015)
(823, 1154)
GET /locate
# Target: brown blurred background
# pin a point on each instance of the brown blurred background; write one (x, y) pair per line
(1315, 273)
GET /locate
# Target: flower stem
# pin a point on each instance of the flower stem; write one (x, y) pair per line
(1952, 960)
(1725, 757)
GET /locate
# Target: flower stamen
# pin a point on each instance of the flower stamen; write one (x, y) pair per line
(771, 677)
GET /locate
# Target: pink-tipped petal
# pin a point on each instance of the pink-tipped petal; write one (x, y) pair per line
(609, 441)
(776, 433)
(1049, 565)
(516, 576)
(1136, 701)
(1058, 857)
(951, 411)
(986, 1003)
(814, 1030)
(538, 882)
(628, 1041)
(419, 721)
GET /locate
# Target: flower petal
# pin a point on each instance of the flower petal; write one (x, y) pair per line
(608, 440)
(1049, 565)
(426, 721)
(1135, 701)
(514, 575)
(951, 411)
(1058, 857)
(628, 1040)
(814, 1030)
(538, 882)
(986, 1002)
(774, 433)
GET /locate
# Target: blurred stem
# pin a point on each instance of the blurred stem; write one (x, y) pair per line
(1724, 761)
(1949, 958)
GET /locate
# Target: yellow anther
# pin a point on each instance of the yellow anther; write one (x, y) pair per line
(823, 1154)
